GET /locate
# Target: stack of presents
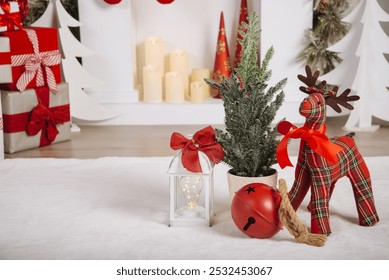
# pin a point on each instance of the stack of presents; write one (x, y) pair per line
(34, 109)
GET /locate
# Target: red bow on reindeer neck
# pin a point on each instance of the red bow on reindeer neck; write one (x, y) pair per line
(203, 140)
(316, 140)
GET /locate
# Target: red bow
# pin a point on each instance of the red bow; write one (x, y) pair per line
(9, 19)
(316, 140)
(204, 140)
(42, 118)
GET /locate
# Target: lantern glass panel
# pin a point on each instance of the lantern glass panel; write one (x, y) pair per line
(191, 194)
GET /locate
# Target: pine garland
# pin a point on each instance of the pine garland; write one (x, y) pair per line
(250, 139)
(38, 7)
(327, 30)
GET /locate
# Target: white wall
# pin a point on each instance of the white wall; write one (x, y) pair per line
(191, 25)
(109, 31)
(283, 25)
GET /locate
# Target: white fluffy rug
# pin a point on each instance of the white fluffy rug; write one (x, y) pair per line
(117, 208)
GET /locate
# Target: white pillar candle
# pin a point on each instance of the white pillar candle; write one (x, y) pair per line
(179, 62)
(198, 75)
(152, 84)
(174, 87)
(198, 91)
(154, 48)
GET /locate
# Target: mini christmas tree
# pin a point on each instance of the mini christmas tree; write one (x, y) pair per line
(243, 17)
(250, 139)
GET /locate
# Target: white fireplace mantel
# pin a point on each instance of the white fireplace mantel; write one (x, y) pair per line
(117, 32)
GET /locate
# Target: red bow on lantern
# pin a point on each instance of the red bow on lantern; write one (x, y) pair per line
(42, 118)
(204, 140)
(316, 139)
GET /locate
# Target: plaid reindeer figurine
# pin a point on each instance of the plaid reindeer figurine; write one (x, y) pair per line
(323, 161)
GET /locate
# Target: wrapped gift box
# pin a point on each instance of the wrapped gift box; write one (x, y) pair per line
(5, 61)
(35, 117)
(35, 58)
(10, 18)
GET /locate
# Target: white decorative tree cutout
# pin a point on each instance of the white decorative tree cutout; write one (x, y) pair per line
(82, 106)
(364, 65)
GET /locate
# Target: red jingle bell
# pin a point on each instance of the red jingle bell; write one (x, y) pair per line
(254, 210)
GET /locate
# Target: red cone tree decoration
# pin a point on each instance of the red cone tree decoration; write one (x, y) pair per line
(222, 66)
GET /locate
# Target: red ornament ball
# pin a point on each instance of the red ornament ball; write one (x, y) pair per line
(113, 2)
(254, 210)
(165, 1)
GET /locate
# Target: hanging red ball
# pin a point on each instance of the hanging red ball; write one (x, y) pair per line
(165, 1)
(23, 8)
(112, 2)
(254, 210)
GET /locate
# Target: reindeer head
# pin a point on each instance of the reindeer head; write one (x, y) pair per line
(313, 108)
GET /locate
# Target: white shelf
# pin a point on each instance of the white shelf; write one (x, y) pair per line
(210, 112)
(141, 113)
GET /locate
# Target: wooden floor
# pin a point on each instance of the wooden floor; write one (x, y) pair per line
(153, 141)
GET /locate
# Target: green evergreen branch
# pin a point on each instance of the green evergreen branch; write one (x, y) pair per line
(328, 29)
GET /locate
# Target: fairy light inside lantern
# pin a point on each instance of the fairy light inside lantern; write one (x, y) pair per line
(191, 193)
(191, 187)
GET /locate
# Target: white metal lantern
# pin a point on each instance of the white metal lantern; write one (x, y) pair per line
(191, 193)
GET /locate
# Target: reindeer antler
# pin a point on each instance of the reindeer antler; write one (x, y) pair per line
(311, 80)
(334, 101)
(331, 99)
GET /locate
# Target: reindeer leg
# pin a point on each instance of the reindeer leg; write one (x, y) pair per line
(301, 185)
(309, 207)
(359, 176)
(320, 197)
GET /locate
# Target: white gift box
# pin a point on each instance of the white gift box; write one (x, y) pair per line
(18, 111)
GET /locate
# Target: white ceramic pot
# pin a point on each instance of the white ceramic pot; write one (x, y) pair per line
(237, 182)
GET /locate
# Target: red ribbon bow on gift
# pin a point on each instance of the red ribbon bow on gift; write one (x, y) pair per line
(34, 64)
(42, 118)
(10, 19)
(316, 140)
(204, 140)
